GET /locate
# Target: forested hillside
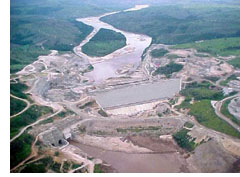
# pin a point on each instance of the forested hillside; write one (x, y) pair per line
(40, 26)
(175, 24)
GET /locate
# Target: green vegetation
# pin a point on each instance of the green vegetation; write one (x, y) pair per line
(34, 168)
(35, 37)
(224, 111)
(90, 103)
(168, 69)
(200, 91)
(173, 56)
(50, 120)
(22, 55)
(201, 55)
(202, 110)
(16, 106)
(138, 129)
(18, 89)
(145, 52)
(189, 125)
(39, 26)
(90, 68)
(74, 166)
(205, 115)
(26, 118)
(56, 153)
(104, 42)
(173, 101)
(102, 113)
(55, 167)
(177, 24)
(66, 166)
(235, 62)
(97, 169)
(222, 47)
(212, 78)
(39, 166)
(65, 113)
(184, 140)
(225, 82)
(157, 53)
(20, 149)
(46, 163)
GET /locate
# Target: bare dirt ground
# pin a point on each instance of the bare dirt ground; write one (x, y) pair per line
(209, 157)
(232, 146)
(112, 144)
(156, 144)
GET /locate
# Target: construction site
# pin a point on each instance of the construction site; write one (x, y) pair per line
(130, 117)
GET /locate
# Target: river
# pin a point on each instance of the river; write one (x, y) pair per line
(137, 163)
(106, 67)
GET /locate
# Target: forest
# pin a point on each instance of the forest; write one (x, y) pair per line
(177, 24)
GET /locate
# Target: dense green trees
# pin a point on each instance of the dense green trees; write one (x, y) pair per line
(16, 106)
(235, 62)
(177, 24)
(184, 140)
(104, 42)
(39, 26)
(168, 69)
(20, 149)
(158, 53)
(18, 89)
(26, 118)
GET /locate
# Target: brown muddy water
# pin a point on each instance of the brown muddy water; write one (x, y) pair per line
(137, 163)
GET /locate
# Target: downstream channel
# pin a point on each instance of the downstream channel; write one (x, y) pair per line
(137, 163)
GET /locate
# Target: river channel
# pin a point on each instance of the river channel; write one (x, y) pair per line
(135, 162)
(106, 67)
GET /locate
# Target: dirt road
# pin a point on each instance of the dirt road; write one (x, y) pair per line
(33, 154)
(218, 107)
(35, 123)
(24, 100)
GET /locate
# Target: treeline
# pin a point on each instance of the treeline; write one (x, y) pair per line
(168, 69)
(107, 35)
(39, 26)
(104, 42)
(222, 47)
(177, 24)
(16, 106)
(20, 149)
